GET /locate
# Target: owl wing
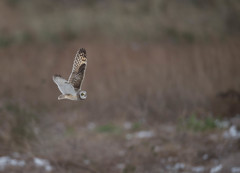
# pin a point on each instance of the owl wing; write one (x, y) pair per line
(63, 85)
(78, 70)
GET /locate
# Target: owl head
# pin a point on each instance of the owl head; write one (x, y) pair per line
(82, 95)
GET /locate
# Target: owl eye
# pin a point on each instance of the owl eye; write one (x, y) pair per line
(82, 94)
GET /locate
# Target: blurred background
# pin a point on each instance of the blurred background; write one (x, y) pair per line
(163, 84)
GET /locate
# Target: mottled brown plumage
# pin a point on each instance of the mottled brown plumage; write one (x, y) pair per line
(79, 67)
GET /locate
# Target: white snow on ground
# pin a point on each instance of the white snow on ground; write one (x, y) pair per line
(140, 134)
(232, 133)
(144, 134)
(235, 170)
(179, 166)
(42, 163)
(198, 169)
(7, 161)
(216, 169)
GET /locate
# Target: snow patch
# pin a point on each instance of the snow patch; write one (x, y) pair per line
(7, 161)
(216, 169)
(235, 170)
(140, 134)
(179, 166)
(232, 133)
(144, 134)
(42, 163)
(198, 169)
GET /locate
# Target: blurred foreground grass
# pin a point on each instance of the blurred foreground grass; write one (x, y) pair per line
(17, 125)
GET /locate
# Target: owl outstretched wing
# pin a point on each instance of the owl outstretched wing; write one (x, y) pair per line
(63, 85)
(78, 70)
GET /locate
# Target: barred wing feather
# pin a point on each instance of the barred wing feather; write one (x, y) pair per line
(78, 70)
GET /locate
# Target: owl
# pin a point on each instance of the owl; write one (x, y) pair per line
(71, 89)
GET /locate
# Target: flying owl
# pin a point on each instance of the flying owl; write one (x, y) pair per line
(71, 89)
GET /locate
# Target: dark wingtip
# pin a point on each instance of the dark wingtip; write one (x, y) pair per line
(57, 75)
(82, 50)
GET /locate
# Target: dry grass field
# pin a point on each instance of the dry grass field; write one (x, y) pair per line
(163, 92)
